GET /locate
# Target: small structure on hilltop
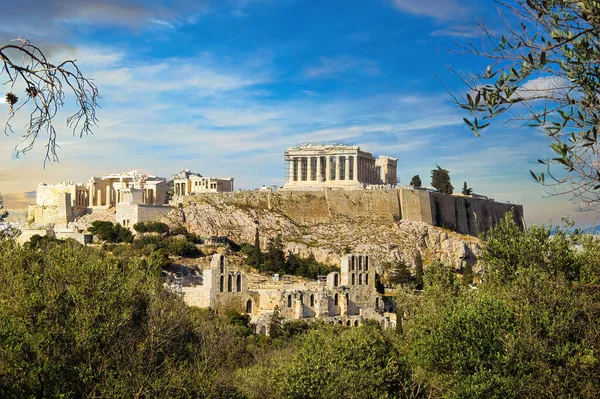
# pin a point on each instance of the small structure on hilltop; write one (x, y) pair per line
(336, 166)
(348, 297)
(189, 183)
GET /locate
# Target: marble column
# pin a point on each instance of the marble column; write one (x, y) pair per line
(319, 177)
(347, 177)
(300, 169)
(338, 168)
(355, 170)
(328, 168)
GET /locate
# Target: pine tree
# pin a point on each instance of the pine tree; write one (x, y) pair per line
(416, 181)
(440, 180)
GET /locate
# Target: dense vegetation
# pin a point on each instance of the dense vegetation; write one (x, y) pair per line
(81, 322)
(274, 260)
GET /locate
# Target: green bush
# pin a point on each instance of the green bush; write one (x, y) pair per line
(110, 232)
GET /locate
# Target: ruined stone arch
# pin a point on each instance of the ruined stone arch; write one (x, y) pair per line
(222, 283)
(353, 279)
(301, 298)
(336, 280)
(356, 323)
(348, 323)
(336, 300)
(367, 279)
(238, 283)
(312, 300)
(249, 306)
(222, 263)
(359, 278)
(289, 301)
(229, 283)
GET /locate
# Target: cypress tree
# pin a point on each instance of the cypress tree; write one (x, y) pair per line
(419, 271)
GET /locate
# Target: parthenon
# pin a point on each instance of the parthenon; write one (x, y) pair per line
(341, 166)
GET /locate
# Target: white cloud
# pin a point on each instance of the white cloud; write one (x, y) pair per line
(335, 66)
(438, 9)
(458, 31)
(543, 87)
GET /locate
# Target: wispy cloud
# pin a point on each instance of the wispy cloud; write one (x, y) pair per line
(444, 10)
(457, 31)
(335, 66)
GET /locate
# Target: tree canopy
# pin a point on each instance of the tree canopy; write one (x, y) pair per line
(440, 180)
(543, 72)
(415, 181)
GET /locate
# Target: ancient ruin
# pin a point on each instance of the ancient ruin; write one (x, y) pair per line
(136, 197)
(336, 166)
(188, 183)
(348, 297)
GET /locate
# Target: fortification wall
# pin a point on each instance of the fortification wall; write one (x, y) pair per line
(466, 215)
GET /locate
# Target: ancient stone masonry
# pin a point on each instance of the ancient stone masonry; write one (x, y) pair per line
(336, 166)
(188, 183)
(135, 197)
(348, 297)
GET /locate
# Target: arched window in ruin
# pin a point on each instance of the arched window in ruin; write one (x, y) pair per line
(359, 278)
(335, 300)
(366, 263)
(335, 280)
(222, 263)
(353, 279)
(348, 323)
(289, 301)
(347, 298)
(355, 323)
(312, 300)
(221, 284)
(249, 306)
(238, 283)
(352, 258)
(360, 262)
(301, 298)
(377, 303)
(367, 279)
(229, 283)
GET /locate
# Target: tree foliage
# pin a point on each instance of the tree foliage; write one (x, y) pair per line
(543, 73)
(440, 180)
(152, 227)
(110, 232)
(3, 213)
(75, 322)
(44, 87)
(416, 181)
(467, 191)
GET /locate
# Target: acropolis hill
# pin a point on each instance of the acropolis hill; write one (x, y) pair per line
(335, 198)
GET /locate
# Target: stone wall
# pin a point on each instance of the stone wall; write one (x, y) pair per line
(466, 215)
(129, 214)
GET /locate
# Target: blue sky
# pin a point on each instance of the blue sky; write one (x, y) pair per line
(222, 87)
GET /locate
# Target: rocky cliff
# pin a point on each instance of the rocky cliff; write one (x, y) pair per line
(310, 225)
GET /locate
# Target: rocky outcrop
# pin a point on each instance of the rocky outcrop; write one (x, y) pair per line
(386, 239)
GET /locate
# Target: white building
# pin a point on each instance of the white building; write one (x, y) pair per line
(188, 183)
